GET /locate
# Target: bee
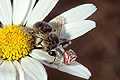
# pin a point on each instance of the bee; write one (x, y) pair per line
(49, 34)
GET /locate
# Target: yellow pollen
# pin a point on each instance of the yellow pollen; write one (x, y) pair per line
(14, 43)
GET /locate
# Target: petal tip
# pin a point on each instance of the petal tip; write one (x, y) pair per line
(89, 75)
(92, 23)
(92, 6)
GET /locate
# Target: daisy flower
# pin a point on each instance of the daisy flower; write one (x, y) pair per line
(18, 58)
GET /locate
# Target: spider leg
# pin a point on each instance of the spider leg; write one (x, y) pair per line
(53, 61)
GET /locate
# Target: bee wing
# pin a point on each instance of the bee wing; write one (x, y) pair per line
(57, 25)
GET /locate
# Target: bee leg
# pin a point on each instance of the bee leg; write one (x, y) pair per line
(58, 67)
(65, 43)
(38, 47)
(39, 43)
(63, 39)
(22, 24)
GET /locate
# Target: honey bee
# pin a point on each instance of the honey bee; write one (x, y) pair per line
(49, 34)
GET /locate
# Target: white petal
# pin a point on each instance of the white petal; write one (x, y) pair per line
(1, 61)
(77, 70)
(7, 71)
(49, 65)
(27, 77)
(33, 68)
(2, 19)
(41, 55)
(79, 13)
(5, 12)
(19, 69)
(75, 29)
(41, 10)
(21, 9)
(30, 10)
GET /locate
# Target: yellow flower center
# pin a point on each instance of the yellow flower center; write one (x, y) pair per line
(14, 43)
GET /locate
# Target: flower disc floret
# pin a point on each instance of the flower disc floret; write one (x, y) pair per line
(14, 43)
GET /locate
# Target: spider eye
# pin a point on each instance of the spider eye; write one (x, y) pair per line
(52, 53)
